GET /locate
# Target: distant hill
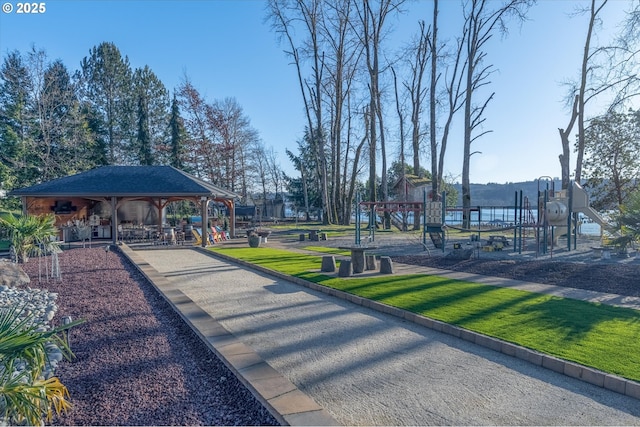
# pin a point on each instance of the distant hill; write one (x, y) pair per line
(493, 194)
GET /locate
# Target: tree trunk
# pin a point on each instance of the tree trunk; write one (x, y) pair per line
(564, 158)
(435, 173)
(581, 92)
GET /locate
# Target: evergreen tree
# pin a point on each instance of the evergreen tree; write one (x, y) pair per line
(304, 191)
(64, 142)
(15, 85)
(143, 141)
(95, 128)
(152, 118)
(612, 161)
(43, 132)
(107, 83)
(178, 136)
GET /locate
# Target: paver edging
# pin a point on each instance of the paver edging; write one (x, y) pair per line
(632, 389)
(553, 363)
(584, 373)
(488, 342)
(468, 335)
(615, 383)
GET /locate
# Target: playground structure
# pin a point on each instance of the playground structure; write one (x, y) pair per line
(560, 211)
(554, 213)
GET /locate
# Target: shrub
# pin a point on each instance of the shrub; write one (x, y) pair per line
(28, 234)
(25, 395)
(628, 221)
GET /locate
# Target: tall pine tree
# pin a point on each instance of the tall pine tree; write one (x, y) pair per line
(178, 136)
(152, 118)
(15, 86)
(107, 82)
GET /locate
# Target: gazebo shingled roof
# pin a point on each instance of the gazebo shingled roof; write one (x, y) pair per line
(127, 181)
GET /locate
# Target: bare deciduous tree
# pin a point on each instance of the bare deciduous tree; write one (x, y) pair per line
(372, 18)
(453, 102)
(284, 14)
(609, 69)
(482, 19)
(420, 52)
(218, 139)
(343, 53)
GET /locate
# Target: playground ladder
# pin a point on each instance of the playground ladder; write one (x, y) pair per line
(530, 219)
(436, 238)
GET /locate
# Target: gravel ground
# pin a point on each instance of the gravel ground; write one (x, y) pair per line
(616, 278)
(137, 362)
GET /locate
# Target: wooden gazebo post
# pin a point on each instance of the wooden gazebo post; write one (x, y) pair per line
(204, 201)
(114, 219)
(232, 218)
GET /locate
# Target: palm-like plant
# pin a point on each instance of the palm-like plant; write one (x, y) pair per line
(29, 233)
(25, 396)
(628, 221)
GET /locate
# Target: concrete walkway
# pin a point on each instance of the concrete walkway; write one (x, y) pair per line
(364, 367)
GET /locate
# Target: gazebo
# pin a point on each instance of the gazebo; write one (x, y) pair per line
(76, 197)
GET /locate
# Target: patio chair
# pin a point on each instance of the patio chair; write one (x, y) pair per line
(224, 235)
(84, 234)
(169, 236)
(215, 235)
(157, 238)
(180, 237)
(198, 236)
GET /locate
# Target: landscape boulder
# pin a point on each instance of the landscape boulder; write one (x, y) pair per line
(12, 274)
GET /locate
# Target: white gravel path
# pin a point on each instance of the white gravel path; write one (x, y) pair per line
(367, 368)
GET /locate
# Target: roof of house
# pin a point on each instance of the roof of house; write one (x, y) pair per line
(127, 181)
(413, 180)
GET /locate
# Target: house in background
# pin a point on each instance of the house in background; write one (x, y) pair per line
(410, 188)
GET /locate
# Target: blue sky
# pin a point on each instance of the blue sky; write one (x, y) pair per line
(227, 50)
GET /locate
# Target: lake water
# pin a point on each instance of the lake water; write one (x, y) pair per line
(497, 218)
(491, 217)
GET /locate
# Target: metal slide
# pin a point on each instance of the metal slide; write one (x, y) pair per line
(581, 204)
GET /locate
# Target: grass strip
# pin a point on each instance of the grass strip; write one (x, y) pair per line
(596, 335)
(326, 250)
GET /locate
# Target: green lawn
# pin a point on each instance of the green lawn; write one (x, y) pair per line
(326, 250)
(333, 230)
(597, 335)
